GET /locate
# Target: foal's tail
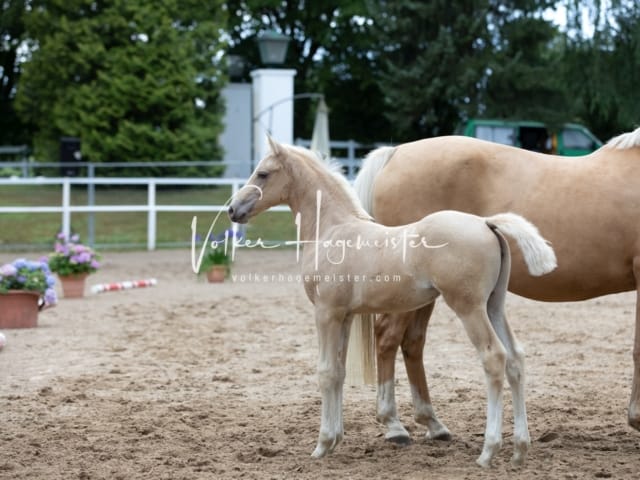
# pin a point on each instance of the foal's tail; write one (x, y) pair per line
(537, 253)
(361, 355)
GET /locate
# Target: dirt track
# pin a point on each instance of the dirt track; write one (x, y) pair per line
(191, 380)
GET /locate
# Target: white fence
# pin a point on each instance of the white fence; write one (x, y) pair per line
(152, 208)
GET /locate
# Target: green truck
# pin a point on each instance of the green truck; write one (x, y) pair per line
(571, 139)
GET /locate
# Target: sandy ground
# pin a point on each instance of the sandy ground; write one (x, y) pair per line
(189, 380)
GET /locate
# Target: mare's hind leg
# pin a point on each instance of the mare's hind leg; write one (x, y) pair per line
(493, 356)
(634, 404)
(412, 351)
(389, 330)
(515, 376)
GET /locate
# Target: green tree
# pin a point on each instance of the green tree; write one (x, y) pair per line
(12, 130)
(445, 61)
(135, 80)
(433, 58)
(524, 80)
(602, 69)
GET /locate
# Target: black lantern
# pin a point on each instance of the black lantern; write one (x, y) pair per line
(273, 47)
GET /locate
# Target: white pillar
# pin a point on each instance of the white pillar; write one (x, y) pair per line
(272, 108)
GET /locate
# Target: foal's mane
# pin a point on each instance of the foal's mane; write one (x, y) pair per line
(626, 140)
(333, 170)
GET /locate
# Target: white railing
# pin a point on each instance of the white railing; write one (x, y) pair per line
(152, 208)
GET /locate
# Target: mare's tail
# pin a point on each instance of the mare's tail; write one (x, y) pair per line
(537, 253)
(361, 356)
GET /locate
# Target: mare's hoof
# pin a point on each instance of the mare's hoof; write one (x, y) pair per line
(443, 436)
(399, 440)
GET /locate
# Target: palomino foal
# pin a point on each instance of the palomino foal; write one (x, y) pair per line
(462, 257)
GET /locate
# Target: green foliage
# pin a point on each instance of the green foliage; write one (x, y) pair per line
(12, 130)
(140, 80)
(31, 276)
(215, 255)
(136, 81)
(602, 72)
(524, 82)
(433, 58)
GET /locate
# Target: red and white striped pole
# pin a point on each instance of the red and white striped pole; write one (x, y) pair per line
(126, 285)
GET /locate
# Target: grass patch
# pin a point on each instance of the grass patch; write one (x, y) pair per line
(126, 230)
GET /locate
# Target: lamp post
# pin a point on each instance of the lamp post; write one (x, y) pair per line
(270, 87)
(273, 47)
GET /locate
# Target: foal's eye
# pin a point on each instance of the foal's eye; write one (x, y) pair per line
(262, 175)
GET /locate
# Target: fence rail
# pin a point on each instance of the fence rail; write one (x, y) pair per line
(151, 207)
(347, 152)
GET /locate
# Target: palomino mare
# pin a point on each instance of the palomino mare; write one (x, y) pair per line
(587, 207)
(463, 257)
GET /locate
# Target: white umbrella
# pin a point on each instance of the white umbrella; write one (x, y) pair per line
(320, 137)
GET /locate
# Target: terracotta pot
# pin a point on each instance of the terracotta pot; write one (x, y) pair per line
(216, 274)
(73, 285)
(19, 309)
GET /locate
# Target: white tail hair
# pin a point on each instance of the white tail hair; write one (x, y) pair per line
(371, 166)
(537, 253)
(361, 354)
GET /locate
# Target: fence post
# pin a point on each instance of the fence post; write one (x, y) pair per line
(151, 216)
(352, 157)
(236, 226)
(91, 201)
(66, 207)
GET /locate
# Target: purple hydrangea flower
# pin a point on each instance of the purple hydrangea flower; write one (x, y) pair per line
(50, 297)
(33, 266)
(8, 270)
(20, 263)
(84, 257)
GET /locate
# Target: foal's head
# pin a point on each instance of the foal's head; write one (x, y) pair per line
(268, 185)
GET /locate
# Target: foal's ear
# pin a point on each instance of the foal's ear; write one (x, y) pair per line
(276, 148)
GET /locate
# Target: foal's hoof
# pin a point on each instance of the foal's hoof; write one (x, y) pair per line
(401, 440)
(520, 449)
(518, 459)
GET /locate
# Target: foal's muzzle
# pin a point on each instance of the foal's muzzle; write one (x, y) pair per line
(238, 214)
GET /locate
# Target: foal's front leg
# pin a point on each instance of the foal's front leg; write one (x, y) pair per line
(333, 335)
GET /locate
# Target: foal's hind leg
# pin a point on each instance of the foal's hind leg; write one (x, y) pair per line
(515, 376)
(412, 351)
(493, 356)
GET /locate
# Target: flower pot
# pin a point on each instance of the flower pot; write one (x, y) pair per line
(19, 309)
(73, 285)
(216, 274)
